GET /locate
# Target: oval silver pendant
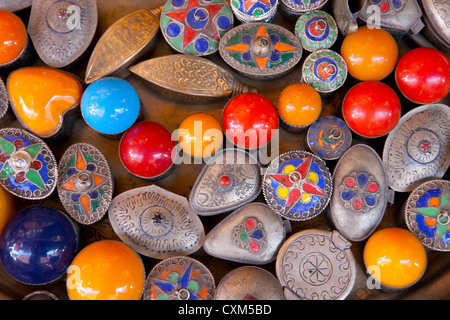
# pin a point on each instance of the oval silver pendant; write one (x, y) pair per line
(62, 30)
(418, 149)
(360, 193)
(252, 234)
(85, 186)
(316, 265)
(249, 283)
(156, 223)
(230, 179)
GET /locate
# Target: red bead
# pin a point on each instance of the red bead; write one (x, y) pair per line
(250, 120)
(36, 165)
(371, 109)
(250, 224)
(224, 181)
(146, 150)
(423, 75)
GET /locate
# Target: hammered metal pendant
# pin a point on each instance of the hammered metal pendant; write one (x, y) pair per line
(156, 223)
(249, 283)
(5, 111)
(62, 30)
(316, 265)
(251, 234)
(179, 278)
(28, 168)
(329, 137)
(14, 5)
(360, 193)
(123, 43)
(297, 185)
(418, 148)
(229, 180)
(260, 51)
(427, 214)
(188, 78)
(195, 26)
(85, 185)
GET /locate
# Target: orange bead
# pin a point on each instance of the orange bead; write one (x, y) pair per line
(371, 54)
(299, 104)
(200, 135)
(40, 96)
(7, 207)
(13, 36)
(395, 257)
(106, 270)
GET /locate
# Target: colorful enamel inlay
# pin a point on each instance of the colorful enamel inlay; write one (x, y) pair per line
(250, 235)
(179, 278)
(316, 30)
(260, 49)
(195, 26)
(360, 191)
(85, 186)
(389, 6)
(325, 70)
(27, 165)
(427, 214)
(254, 10)
(297, 185)
(329, 137)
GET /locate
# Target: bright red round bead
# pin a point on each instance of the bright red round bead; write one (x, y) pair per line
(423, 75)
(250, 120)
(371, 109)
(146, 150)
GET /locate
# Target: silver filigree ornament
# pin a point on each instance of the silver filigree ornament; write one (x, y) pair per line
(156, 223)
(61, 31)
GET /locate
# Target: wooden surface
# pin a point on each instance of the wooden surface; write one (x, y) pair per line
(435, 284)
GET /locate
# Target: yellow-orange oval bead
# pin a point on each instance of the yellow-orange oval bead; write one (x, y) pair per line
(106, 270)
(299, 104)
(395, 257)
(7, 207)
(13, 36)
(200, 135)
(370, 54)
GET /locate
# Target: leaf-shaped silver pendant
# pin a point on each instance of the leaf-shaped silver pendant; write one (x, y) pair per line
(122, 43)
(188, 78)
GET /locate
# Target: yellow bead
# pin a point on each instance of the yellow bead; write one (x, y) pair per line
(7, 207)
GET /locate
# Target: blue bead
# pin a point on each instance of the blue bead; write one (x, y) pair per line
(75, 197)
(246, 38)
(370, 200)
(173, 30)
(257, 234)
(348, 194)
(224, 22)
(38, 245)
(177, 3)
(91, 167)
(202, 45)
(362, 179)
(110, 105)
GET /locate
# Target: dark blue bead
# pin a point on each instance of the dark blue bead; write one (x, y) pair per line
(91, 167)
(348, 195)
(173, 30)
(201, 45)
(370, 200)
(224, 22)
(257, 234)
(362, 179)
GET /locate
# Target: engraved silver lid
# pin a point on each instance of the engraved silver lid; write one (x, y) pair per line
(156, 223)
(85, 186)
(179, 278)
(230, 179)
(418, 148)
(255, 10)
(249, 283)
(292, 9)
(252, 234)
(360, 193)
(437, 18)
(427, 214)
(4, 101)
(316, 265)
(61, 30)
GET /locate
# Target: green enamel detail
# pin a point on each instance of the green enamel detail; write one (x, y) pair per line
(34, 149)
(244, 236)
(173, 277)
(7, 146)
(88, 157)
(6, 172)
(193, 286)
(35, 178)
(163, 297)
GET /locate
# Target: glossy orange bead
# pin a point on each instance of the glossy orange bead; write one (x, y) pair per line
(106, 270)
(7, 207)
(13, 36)
(41, 96)
(370, 54)
(299, 104)
(200, 135)
(395, 257)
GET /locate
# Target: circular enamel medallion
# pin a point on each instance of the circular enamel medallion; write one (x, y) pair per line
(316, 30)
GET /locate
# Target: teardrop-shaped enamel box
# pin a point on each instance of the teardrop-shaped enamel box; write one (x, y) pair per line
(61, 31)
(418, 148)
(229, 180)
(251, 234)
(85, 185)
(28, 168)
(360, 192)
(188, 78)
(156, 223)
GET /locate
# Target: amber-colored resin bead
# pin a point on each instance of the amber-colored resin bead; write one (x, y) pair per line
(395, 257)
(370, 54)
(13, 37)
(200, 135)
(7, 207)
(299, 105)
(106, 270)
